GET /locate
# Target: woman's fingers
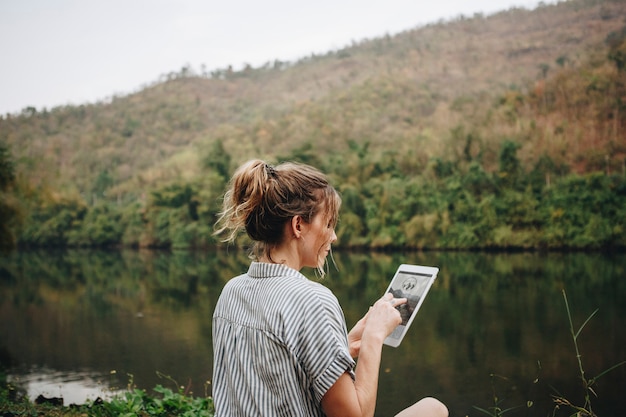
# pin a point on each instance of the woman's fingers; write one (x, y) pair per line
(394, 302)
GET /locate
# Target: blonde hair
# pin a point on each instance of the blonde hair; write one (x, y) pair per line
(262, 198)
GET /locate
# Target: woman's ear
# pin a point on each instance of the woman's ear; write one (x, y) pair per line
(296, 226)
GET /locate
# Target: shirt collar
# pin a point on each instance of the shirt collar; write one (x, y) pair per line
(267, 270)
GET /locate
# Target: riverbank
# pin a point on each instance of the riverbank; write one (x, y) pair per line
(133, 403)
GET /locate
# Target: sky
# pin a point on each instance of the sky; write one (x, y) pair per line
(71, 52)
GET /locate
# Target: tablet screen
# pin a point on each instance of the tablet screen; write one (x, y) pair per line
(411, 282)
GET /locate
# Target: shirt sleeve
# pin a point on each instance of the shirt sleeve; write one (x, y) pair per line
(322, 345)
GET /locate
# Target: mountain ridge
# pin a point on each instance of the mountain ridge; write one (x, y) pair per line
(472, 59)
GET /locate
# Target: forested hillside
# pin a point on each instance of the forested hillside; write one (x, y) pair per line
(502, 131)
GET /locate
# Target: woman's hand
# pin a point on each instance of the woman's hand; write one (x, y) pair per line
(385, 316)
(354, 337)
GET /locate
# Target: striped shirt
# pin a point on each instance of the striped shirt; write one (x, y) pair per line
(279, 343)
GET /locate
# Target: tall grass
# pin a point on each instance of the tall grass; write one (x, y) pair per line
(499, 409)
(586, 409)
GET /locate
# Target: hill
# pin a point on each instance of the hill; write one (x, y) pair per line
(448, 94)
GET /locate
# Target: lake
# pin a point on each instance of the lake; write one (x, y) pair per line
(494, 327)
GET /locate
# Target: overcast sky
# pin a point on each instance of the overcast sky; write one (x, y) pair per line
(57, 52)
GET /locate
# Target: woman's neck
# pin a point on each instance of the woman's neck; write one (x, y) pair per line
(285, 254)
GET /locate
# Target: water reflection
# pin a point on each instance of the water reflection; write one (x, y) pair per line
(73, 317)
(74, 387)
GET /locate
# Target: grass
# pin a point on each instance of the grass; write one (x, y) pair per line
(586, 409)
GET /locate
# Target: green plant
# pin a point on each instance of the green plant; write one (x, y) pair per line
(586, 410)
(138, 403)
(497, 410)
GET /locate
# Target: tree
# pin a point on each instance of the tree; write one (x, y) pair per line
(616, 42)
(7, 168)
(510, 170)
(218, 160)
(10, 215)
(305, 154)
(102, 182)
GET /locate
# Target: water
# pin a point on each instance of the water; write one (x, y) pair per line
(88, 324)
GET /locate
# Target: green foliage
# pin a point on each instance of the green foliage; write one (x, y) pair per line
(616, 42)
(133, 224)
(585, 211)
(304, 154)
(103, 181)
(100, 226)
(477, 181)
(218, 159)
(178, 215)
(510, 172)
(7, 168)
(53, 222)
(137, 403)
(132, 403)
(465, 208)
(10, 212)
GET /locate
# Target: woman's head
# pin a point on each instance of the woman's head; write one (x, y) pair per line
(263, 199)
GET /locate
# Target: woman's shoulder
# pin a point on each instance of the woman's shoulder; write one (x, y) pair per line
(314, 286)
(280, 279)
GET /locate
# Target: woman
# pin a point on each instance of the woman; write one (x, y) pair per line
(280, 341)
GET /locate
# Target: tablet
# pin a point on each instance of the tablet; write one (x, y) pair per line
(411, 282)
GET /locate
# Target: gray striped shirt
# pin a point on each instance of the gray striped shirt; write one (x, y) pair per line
(279, 343)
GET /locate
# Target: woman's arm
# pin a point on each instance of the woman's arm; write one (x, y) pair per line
(358, 398)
